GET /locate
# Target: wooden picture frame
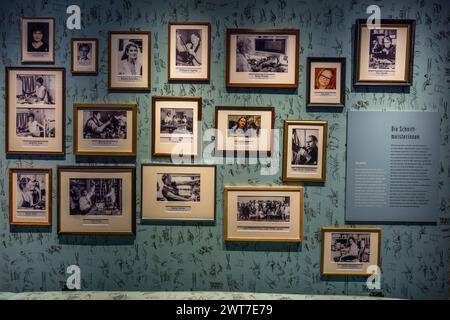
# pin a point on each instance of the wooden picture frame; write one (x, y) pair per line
(242, 140)
(341, 256)
(87, 62)
(37, 36)
(169, 132)
(275, 68)
(178, 192)
(309, 139)
(94, 200)
(129, 72)
(325, 82)
(188, 63)
(118, 138)
(30, 196)
(378, 60)
(38, 123)
(245, 217)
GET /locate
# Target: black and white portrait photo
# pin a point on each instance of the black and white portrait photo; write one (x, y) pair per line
(96, 197)
(105, 124)
(31, 191)
(129, 57)
(189, 47)
(35, 123)
(304, 147)
(84, 54)
(38, 37)
(350, 247)
(248, 126)
(178, 187)
(262, 53)
(177, 120)
(268, 209)
(383, 44)
(35, 89)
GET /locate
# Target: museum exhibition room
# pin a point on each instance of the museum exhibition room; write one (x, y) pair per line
(225, 150)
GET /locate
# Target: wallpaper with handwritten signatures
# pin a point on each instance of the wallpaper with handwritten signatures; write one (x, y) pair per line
(194, 256)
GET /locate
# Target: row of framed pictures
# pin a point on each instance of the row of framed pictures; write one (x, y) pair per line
(100, 201)
(255, 57)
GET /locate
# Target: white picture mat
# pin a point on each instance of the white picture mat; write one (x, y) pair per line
(93, 53)
(325, 99)
(26, 56)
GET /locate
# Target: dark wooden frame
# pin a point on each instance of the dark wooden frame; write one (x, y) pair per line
(155, 99)
(72, 56)
(63, 119)
(94, 106)
(386, 23)
(208, 65)
(149, 38)
(98, 169)
(22, 44)
(296, 62)
(244, 108)
(48, 190)
(310, 60)
(180, 165)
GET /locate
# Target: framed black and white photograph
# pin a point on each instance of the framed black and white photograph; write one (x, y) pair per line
(189, 51)
(262, 58)
(35, 104)
(244, 129)
(38, 40)
(350, 251)
(96, 200)
(129, 61)
(326, 82)
(178, 192)
(175, 129)
(105, 129)
(305, 150)
(84, 56)
(384, 55)
(255, 213)
(30, 196)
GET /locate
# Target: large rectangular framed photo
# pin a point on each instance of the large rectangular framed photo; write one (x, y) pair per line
(189, 51)
(256, 213)
(104, 129)
(37, 40)
(350, 251)
(178, 192)
(129, 61)
(305, 150)
(96, 200)
(384, 55)
(30, 196)
(35, 110)
(84, 56)
(262, 58)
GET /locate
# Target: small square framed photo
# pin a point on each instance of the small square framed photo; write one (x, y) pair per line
(326, 82)
(245, 129)
(305, 150)
(178, 192)
(84, 56)
(129, 61)
(38, 40)
(384, 55)
(189, 51)
(96, 200)
(255, 213)
(35, 108)
(176, 125)
(104, 129)
(262, 58)
(350, 251)
(30, 196)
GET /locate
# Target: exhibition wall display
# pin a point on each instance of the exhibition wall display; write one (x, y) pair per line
(298, 70)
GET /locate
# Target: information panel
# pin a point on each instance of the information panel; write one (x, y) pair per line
(392, 166)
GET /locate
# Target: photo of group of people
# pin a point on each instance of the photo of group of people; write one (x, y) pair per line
(105, 124)
(350, 247)
(382, 48)
(35, 123)
(178, 187)
(248, 126)
(95, 196)
(31, 192)
(304, 147)
(177, 121)
(267, 209)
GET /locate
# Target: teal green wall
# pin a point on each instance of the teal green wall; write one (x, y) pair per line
(184, 256)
